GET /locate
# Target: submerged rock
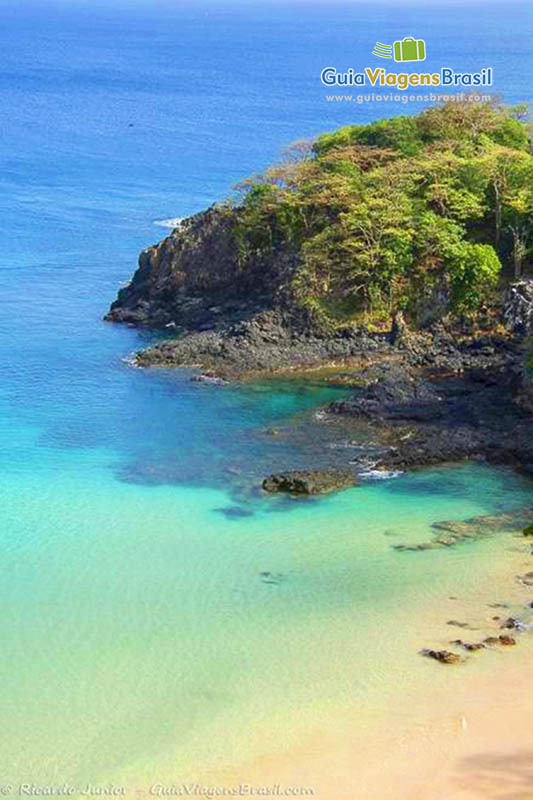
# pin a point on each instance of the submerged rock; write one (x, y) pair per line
(271, 577)
(309, 482)
(456, 624)
(415, 548)
(452, 532)
(234, 512)
(212, 380)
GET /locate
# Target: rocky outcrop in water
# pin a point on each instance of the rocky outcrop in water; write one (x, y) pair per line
(453, 532)
(440, 416)
(310, 482)
(192, 280)
(270, 341)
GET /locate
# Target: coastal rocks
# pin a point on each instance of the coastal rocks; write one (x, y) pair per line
(452, 532)
(448, 657)
(524, 394)
(469, 646)
(310, 482)
(442, 656)
(507, 641)
(503, 639)
(435, 396)
(438, 417)
(225, 318)
(518, 307)
(267, 341)
(528, 531)
(192, 278)
(474, 527)
(396, 394)
(514, 624)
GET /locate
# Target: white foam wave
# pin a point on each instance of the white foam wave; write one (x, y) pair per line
(380, 474)
(171, 222)
(130, 360)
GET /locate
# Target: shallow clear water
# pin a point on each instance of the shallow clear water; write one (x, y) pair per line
(137, 629)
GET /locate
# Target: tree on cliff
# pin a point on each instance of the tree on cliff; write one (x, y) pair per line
(387, 215)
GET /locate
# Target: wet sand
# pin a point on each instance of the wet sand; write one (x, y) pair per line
(458, 732)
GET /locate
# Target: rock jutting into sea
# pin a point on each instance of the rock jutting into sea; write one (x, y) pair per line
(309, 482)
(433, 323)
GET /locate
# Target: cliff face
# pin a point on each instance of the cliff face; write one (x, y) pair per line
(194, 279)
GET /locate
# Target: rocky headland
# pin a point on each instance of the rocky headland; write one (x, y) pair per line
(441, 394)
(377, 255)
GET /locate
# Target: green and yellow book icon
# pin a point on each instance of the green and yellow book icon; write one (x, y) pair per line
(410, 49)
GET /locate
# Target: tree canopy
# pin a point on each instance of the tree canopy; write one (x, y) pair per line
(410, 212)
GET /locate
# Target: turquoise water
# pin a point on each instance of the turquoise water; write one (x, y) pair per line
(137, 630)
(140, 630)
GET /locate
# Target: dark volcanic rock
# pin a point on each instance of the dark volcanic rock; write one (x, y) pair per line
(268, 341)
(310, 481)
(395, 395)
(518, 307)
(192, 279)
(438, 417)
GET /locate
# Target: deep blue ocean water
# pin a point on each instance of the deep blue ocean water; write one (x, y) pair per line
(112, 119)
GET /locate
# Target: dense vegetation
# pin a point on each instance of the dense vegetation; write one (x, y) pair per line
(415, 213)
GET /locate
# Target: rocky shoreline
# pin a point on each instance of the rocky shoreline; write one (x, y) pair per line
(430, 416)
(431, 397)
(445, 393)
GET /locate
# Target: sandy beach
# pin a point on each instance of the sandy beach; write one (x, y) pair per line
(460, 732)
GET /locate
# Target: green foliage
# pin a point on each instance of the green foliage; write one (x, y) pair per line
(391, 214)
(528, 531)
(398, 133)
(473, 269)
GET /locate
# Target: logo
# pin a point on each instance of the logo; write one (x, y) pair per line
(404, 50)
(382, 50)
(407, 49)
